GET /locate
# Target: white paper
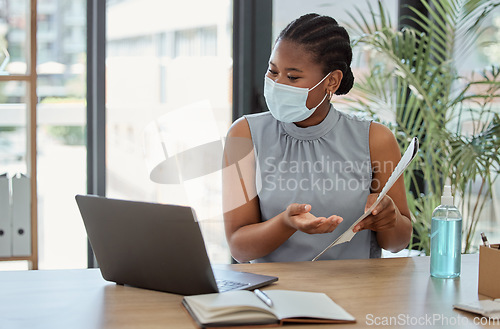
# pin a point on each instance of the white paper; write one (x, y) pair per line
(407, 157)
(488, 308)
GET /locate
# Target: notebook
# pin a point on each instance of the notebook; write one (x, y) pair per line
(244, 308)
(156, 246)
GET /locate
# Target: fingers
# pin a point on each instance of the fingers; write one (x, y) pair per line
(310, 224)
(371, 200)
(334, 222)
(383, 204)
(375, 224)
(323, 225)
(294, 211)
(298, 208)
(383, 217)
(300, 218)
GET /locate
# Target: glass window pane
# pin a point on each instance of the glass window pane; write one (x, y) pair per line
(284, 11)
(61, 115)
(13, 120)
(168, 90)
(14, 28)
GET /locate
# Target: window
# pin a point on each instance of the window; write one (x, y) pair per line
(58, 154)
(61, 135)
(168, 89)
(16, 109)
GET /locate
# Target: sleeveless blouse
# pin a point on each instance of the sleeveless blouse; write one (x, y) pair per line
(327, 166)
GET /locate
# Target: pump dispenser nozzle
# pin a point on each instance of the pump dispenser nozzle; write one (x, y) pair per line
(447, 198)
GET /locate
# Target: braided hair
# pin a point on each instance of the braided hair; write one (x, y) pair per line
(327, 41)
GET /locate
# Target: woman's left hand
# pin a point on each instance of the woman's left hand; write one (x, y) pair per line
(383, 217)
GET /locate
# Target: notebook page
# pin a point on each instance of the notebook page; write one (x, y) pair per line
(289, 304)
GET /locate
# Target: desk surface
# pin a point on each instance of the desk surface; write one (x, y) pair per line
(375, 291)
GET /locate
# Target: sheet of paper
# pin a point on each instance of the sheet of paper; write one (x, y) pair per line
(489, 308)
(407, 157)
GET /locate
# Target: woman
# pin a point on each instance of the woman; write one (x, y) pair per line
(298, 176)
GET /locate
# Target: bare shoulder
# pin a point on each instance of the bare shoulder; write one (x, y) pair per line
(380, 134)
(238, 143)
(383, 144)
(240, 128)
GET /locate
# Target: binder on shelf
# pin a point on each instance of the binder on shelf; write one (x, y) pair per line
(21, 216)
(5, 218)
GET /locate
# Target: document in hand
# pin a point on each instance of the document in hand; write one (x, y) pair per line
(243, 307)
(407, 157)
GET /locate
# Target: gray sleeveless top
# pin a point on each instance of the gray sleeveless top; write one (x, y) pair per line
(327, 166)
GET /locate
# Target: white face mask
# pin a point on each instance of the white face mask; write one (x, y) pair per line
(287, 103)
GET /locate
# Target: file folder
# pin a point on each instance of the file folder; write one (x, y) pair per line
(5, 218)
(21, 216)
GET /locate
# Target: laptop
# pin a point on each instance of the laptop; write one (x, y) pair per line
(156, 246)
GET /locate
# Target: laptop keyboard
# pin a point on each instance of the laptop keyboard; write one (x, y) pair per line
(226, 285)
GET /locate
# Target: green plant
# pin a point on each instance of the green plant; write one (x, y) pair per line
(414, 77)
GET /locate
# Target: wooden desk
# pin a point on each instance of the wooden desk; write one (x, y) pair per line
(372, 290)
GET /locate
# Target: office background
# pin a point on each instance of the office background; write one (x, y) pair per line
(115, 78)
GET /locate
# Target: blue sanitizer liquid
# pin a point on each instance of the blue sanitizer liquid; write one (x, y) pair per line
(446, 242)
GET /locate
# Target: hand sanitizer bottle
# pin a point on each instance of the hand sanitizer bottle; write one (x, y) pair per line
(446, 238)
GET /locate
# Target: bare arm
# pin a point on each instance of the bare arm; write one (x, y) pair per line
(391, 218)
(248, 236)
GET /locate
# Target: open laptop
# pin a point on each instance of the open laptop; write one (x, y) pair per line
(156, 246)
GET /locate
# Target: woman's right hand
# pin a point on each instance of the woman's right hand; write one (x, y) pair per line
(298, 216)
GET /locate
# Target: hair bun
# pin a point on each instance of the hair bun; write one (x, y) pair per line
(346, 83)
(326, 41)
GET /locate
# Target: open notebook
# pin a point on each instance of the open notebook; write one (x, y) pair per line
(244, 308)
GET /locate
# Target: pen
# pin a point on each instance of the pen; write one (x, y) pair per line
(263, 297)
(485, 240)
